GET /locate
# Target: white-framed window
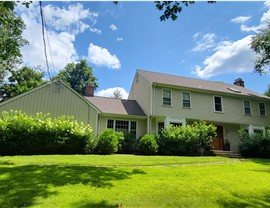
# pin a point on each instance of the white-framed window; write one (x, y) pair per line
(123, 126)
(247, 108)
(186, 100)
(176, 124)
(167, 97)
(218, 107)
(262, 109)
(161, 126)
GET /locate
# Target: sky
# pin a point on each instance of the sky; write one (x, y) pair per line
(207, 41)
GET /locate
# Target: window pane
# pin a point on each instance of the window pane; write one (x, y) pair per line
(186, 100)
(133, 127)
(218, 104)
(247, 107)
(258, 131)
(121, 126)
(110, 124)
(175, 124)
(166, 97)
(262, 109)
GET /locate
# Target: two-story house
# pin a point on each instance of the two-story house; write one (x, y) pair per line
(155, 101)
(168, 99)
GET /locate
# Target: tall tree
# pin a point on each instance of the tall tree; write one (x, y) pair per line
(20, 81)
(11, 40)
(261, 45)
(78, 76)
(267, 93)
(117, 94)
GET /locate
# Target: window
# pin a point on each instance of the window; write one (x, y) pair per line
(186, 100)
(175, 124)
(247, 108)
(110, 124)
(57, 87)
(161, 126)
(133, 127)
(262, 109)
(258, 131)
(167, 97)
(123, 126)
(218, 103)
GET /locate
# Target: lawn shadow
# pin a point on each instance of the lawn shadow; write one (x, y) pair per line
(21, 185)
(102, 204)
(245, 201)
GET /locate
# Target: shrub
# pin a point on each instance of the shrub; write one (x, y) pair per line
(186, 140)
(22, 134)
(108, 141)
(254, 145)
(148, 145)
(129, 145)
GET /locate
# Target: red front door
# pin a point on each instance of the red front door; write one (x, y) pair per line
(218, 142)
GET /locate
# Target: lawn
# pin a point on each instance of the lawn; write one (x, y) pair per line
(85, 181)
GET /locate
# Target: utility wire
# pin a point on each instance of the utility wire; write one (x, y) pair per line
(44, 42)
(48, 41)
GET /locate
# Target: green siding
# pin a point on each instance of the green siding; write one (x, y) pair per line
(46, 100)
(141, 92)
(202, 107)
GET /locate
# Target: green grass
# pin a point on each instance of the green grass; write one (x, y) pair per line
(134, 181)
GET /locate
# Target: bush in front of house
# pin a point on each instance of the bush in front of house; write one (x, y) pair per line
(108, 141)
(254, 145)
(22, 134)
(148, 144)
(186, 140)
(129, 145)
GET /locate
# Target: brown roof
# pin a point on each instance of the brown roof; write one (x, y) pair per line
(116, 106)
(160, 78)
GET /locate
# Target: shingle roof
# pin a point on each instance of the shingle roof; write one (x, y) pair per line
(116, 106)
(198, 84)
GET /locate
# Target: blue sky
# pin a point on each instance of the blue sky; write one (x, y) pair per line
(208, 41)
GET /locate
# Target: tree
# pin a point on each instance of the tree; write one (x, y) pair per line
(78, 76)
(261, 45)
(117, 94)
(267, 93)
(11, 40)
(21, 81)
(172, 8)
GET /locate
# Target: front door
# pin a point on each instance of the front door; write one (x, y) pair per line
(218, 142)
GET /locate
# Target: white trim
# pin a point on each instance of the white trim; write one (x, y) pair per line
(214, 104)
(260, 110)
(182, 99)
(166, 89)
(249, 108)
(251, 129)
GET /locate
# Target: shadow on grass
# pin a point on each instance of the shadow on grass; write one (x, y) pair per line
(20, 185)
(102, 204)
(245, 201)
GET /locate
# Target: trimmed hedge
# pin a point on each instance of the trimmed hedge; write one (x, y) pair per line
(186, 140)
(22, 134)
(254, 145)
(148, 144)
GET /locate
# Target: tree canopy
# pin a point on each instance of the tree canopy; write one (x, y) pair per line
(20, 81)
(261, 45)
(11, 40)
(171, 9)
(78, 76)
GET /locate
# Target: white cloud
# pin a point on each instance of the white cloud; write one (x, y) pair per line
(109, 92)
(241, 19)
(119, 39)
(113, 27)
(62, 26)
(230, 57)
(95, 30)
(205, 42)
(102, 57)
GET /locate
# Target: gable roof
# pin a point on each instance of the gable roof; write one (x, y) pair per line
(198, 84)
(116, 106)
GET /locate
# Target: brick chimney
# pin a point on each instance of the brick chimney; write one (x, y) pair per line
(89, 90)
(239, 82)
